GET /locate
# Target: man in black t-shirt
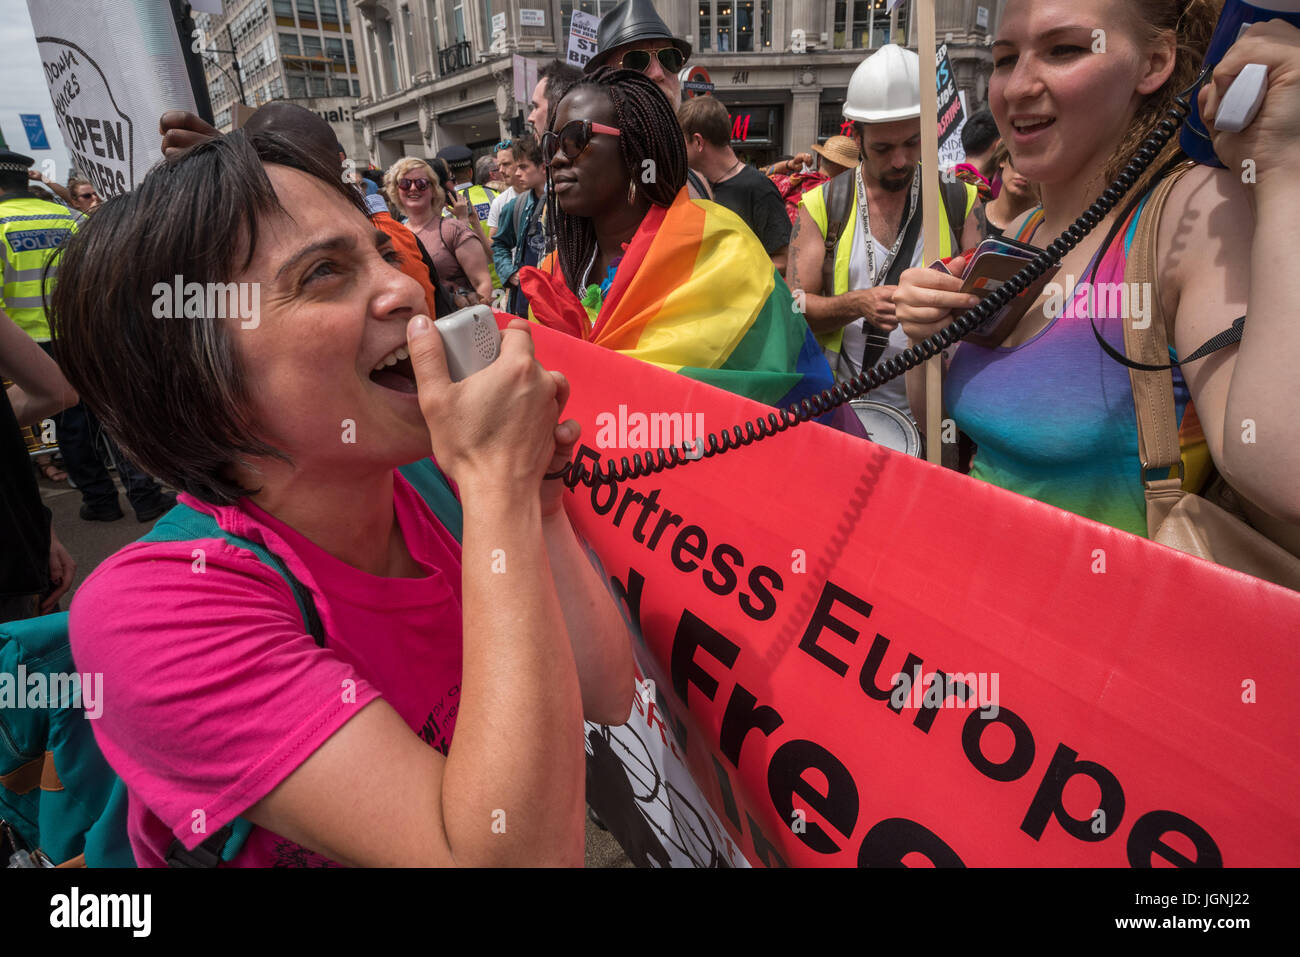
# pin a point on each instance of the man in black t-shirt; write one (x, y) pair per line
(742, 189)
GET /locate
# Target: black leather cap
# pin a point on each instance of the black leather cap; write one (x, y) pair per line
(630, 22)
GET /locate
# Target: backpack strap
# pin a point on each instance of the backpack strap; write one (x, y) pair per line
(838, 192)
(1153, 390)
(183, 523)
(956, 206)
(432, 486)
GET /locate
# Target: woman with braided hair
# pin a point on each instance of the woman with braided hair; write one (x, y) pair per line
(642, 268)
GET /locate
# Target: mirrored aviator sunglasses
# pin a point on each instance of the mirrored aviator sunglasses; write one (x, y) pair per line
(670, 58)
(573, 137)
(419, 185)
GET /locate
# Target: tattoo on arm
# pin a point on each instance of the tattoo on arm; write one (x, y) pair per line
(792, 260)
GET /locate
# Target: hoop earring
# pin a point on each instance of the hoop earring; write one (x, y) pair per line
(631, 192)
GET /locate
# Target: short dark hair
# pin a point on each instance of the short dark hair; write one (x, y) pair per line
(13, 181)
(560, 78)
(979, 133)
(707, 116)
(171, 392)
(528, 147)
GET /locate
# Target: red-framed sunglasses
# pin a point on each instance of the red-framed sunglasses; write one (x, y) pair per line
(573, 138)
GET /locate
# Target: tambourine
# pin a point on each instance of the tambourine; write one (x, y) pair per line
(887, 426)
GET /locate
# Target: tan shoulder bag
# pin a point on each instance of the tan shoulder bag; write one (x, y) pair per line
(1182, 520)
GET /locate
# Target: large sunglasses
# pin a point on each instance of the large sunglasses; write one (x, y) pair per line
(419, 185)
(670, 58)
(574, 137)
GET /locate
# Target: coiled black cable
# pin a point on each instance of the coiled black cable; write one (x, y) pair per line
(661, 460)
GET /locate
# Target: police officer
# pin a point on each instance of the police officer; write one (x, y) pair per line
(460, 160)
(31, 232)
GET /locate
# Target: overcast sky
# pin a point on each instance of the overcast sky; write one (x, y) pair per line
(23, 88)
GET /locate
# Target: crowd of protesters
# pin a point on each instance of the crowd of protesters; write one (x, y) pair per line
(561, 226)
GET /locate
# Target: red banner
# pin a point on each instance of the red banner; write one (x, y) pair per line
(864, 659)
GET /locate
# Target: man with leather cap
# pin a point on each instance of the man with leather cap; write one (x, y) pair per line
(632, 36)
(633, 27)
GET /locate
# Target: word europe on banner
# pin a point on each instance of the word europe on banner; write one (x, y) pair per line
(1087, 697)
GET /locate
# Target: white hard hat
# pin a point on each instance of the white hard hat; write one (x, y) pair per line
(885, 87)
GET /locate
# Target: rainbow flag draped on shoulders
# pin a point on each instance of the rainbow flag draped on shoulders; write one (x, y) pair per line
(696, 294)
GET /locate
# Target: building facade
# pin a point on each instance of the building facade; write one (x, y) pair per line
(296, 50)
(435, 72)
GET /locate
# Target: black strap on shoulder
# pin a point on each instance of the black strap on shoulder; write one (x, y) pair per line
(877, 339)
(206, 855)
(838, 193)
(442, 303)
(954, 205)
(1227, 337)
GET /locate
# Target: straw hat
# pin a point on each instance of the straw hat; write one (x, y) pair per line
(839, 149)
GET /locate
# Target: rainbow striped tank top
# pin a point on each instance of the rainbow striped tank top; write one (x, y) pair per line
(1053, 418)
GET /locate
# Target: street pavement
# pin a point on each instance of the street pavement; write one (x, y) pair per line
(90, 543)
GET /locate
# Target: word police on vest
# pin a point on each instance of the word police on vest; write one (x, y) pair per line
(103, 910)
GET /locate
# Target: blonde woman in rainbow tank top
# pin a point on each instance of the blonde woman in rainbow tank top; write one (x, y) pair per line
(1076, 87)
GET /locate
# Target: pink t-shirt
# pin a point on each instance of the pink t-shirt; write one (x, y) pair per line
(215, 692)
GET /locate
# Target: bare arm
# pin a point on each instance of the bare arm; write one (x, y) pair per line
(602, 649)
(827, 313)
(970, 233)
(58, 189)
(927, 301)
(39, 388)
(780, 259)
(1223, 262)
(601, 645)
(510, 790)
(474, 260)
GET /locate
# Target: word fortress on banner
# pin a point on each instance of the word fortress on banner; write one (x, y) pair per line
(721, 680)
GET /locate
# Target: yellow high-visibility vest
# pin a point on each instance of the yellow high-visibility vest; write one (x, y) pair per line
(480, 197)
(31, 232)
(815, 202)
